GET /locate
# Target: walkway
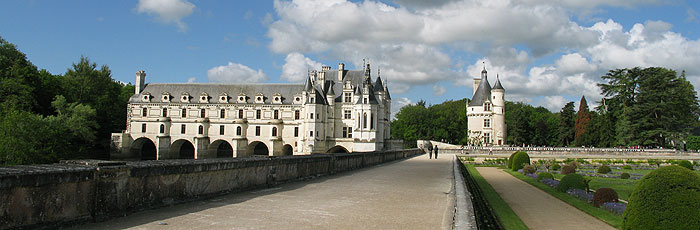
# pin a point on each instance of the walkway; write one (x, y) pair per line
(408, 194)
(536, 208)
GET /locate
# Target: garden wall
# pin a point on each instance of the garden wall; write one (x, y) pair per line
(34, 196)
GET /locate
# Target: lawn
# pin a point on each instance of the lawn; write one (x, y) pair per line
(506, 215)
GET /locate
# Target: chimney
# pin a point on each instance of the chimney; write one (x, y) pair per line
(341, 69)
(140, 80)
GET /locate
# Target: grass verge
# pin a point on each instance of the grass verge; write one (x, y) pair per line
(605, 216)
(506, 215)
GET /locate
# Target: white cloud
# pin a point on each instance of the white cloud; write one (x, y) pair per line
(553, 103)
(439, 90)
(235, 73)
(167, 11)
(296, 67)
(397, 104)
(191, 80)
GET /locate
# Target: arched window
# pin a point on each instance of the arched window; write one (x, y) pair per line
(203, 113)
(239, 130)
(144, 112)
(274, 131)
(364, 121)
(358, 122)
(162, 128)
(223, 113)
(371, 121)
(165, 112)
(201, 129)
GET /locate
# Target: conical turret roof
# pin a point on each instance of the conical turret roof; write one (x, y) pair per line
(498, 84)
(483, 93)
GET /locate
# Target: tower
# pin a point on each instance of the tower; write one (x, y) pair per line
(499, 121)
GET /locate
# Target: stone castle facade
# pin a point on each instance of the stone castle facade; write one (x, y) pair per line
(334, 111)
(486, 113)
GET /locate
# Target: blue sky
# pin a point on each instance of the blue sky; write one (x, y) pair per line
(545, 53)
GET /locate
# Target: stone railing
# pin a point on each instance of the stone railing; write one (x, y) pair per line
(72, 192)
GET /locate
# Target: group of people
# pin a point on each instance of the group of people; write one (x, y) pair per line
(430, 151)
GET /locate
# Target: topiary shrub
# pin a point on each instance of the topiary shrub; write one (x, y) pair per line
(624, 175)
(568, 169)
(544, 175)
(666, 198)
(510, 160)
(685, 164)
(574, 164)
(604, 169)
(529, 169)
(556, 167)
(571, 181)
(604, 195)
(626, 167)
(520, 160)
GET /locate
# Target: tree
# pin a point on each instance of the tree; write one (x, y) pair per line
(583, 117)
(566, 124)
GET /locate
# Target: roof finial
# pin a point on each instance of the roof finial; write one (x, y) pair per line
(484, 64)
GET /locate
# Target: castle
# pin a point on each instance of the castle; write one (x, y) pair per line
(486, 113)
(334, 111)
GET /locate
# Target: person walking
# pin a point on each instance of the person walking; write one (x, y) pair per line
(430, 151)
(436, 151)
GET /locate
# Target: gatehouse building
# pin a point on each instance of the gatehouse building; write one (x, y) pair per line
(486, 113)
(333, 111)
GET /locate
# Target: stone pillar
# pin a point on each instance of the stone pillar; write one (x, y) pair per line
(201, 147)
(240, 147)
(163, 146)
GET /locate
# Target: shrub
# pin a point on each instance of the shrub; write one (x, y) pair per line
(529, 169)
(624, 175)
(556, 166)
(571, 181)
(544, 175)
(685, 164)
(568, 169)
(604, 169)
(666, 198)
(626, 167)
(574, 164)
(519, 160)
(604, 195)
(510, 160)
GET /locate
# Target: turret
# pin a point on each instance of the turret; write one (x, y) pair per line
(140, 81)
(330, 96)
(497, 93)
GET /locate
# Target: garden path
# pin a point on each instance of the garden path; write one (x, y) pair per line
(536, 208)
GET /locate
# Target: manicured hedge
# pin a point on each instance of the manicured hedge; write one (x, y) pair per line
(568, 169)
(604, 195)
(529, 169)
(571, 181)
(604, 169)
(520, 160)
(666, 198)
(685, 164)
(624, 175)
(556, 166)
(544, 175)
(510, 161)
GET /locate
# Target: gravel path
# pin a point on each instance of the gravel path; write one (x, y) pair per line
(536, 208)
(407, 194)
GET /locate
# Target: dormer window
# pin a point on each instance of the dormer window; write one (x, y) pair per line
(241, 98)
(277, 98)
(165, 97)
(259, 98)
(146, 97)
(223, 98)
(185, 98)
(203, 98)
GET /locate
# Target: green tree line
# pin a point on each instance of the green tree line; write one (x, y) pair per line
(45, 117)
(649, 107)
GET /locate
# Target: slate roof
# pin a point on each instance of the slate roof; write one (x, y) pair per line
(483, 93)
(498, 84)
(287, 91)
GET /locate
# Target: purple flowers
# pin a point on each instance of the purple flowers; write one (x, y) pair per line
(581, 194)
(551, 182)
(615, 207)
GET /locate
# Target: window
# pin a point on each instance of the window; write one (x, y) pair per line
(296, 131)
(239, 130)
(143, 127)
(221, 130)
(240, 113)
(162, 128)
(358, 122)
(347, 97)
(347, 114)
(371, 121)
(487, 107)
(345, 131)
(222, 114)
(258, 114)
(313, 100)
(144, 112)
(165, 112)
(296, 114)
(257, 130)
(349, 132)
(311, 115)
(487, 138)
(274, 131)
(183, 113)
(364, 121)
(276, 114)
(311, 133)
(182, 129)
(487, 123)
(203, 113)
(201, 129)
(365, 100)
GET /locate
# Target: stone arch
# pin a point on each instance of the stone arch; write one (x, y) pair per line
(144, 149)
(287, 150)
(182, 149)
(221, 149)
(258, 148)
(338, 149)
